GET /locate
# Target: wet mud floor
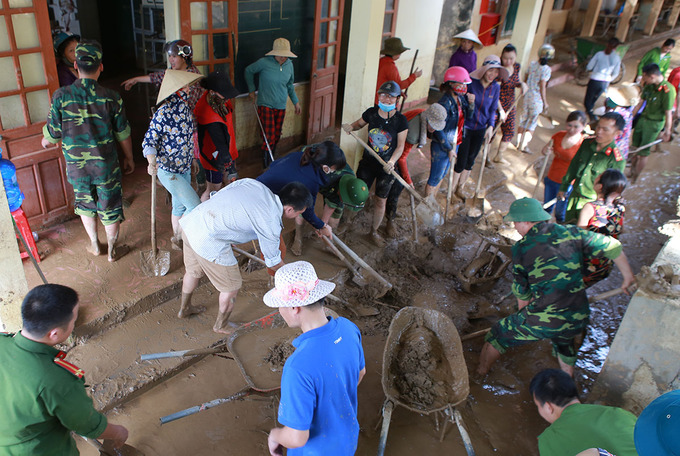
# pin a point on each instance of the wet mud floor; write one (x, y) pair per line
(499, 413)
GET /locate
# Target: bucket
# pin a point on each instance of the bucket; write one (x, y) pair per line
(9, 178)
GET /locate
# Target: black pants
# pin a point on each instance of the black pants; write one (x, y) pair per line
(593, 92)
(469, 149)
(393, 198)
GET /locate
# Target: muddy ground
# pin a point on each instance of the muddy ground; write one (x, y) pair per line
(499, 413)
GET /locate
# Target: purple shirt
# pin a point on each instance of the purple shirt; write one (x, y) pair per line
(66, 77)
(486, 105)
(467, 60)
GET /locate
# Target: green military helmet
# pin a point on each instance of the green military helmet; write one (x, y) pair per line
(353, 191)
(526, 210)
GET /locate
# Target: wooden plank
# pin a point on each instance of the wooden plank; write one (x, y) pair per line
(591, 17)
(675, 12)
(624, 21)
(650, 25)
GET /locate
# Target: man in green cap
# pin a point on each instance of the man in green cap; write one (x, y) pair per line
(89, 119)
(548, 265)
(43, 396)
(344, 189)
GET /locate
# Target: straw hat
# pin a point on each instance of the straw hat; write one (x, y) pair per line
(626, 95)
(468, 35)
(297, 285)
(281, 48)
(491, 61)
(173, 80)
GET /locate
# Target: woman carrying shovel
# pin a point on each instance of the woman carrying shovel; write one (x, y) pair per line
(387, 130)
(169, 146)
(480, 125)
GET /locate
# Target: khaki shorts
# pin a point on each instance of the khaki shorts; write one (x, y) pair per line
(224, 278)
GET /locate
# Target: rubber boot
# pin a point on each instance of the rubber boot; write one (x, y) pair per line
(376, 238)
(454, 183)
(461, 184)
(185, 307)
(296, 248)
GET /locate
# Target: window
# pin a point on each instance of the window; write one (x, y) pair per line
(390, 22)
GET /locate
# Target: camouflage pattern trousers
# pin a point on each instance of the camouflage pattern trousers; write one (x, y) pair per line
(97, 188)
(529, 325)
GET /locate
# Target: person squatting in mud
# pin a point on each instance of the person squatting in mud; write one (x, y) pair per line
(548, 264)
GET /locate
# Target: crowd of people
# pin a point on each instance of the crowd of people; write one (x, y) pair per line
(192, 129)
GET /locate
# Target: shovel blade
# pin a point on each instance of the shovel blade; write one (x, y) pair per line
(427, 213)
(155, 265)
(474, 207)
(125, 450)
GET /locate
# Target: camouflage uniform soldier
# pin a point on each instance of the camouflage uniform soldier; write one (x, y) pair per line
(88, 119)
(548, 265)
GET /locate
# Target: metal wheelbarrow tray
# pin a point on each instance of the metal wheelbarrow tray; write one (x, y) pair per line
(424, 369)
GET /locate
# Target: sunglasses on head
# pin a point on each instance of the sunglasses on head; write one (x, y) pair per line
(491, 62)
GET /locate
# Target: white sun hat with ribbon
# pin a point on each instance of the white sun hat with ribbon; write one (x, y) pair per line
(297, 285)
(173, 80)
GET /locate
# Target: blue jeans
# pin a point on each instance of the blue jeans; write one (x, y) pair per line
(551, 190)
(439, 164)
(184, 198)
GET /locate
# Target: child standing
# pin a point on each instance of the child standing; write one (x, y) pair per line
(563, 145)
(604, 216)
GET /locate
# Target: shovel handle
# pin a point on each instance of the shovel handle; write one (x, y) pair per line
(205, 406)
(361, 262)
(264, 135)
(605, 295)
(153, 216)
(387, 417)
(413, 218)
(481, 169)
(546, 159)
(458, 418)
(401, 180)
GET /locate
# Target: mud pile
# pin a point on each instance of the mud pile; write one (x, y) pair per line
(422, 372)
(278, 354)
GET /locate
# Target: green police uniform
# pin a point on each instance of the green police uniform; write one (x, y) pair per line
(548, 265)
(331, 192)
(88, 119)
(587, 164)
(43, 399)
(660, 98)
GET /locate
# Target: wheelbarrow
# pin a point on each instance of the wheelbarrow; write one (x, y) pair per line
(492, 258)
(583, 49)
(249, 348)
(424, 370)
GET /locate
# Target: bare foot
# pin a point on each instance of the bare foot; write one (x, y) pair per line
(94, 249)
(190, 310)
(229, 328)
(118, 252)
(296, 248)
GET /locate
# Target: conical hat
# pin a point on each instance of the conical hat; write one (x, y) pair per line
(624, 95)
(468, 35)
(173, 80)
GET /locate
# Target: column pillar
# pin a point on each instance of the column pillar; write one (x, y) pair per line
(653, 17)
(624, 20)
(363, 53)
(524, 32)
(592, 14)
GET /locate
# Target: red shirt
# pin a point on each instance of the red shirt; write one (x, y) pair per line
(387, 71)
(562, 157)
(674, 79)
(401, 163)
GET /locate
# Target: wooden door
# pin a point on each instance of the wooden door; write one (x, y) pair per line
(211, 28)
(325, 62)
(28, 78)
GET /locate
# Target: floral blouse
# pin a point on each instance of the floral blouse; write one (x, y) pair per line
(170, 135)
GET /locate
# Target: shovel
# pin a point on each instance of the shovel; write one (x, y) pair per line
(449, 191)
(359, 311)
(356, 274)
(428, 210)
(540, 175)
(264, 135)
(475, 205)
(413, 217)
(107, 449)
(154, 262)
(386, 285)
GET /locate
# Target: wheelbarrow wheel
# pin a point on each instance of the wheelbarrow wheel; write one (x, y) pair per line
(480, 271)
